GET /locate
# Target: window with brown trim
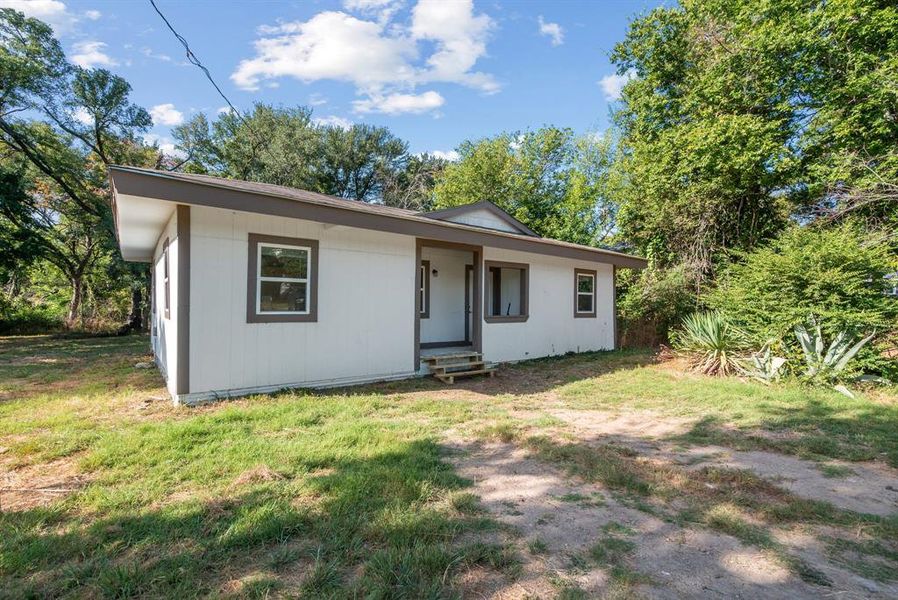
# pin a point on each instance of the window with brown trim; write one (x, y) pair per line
(166, 279)
(584, 293)
(282, 283)
(424, 290)
(505, 298)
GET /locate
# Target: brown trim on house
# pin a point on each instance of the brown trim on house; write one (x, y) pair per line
(469, 276)
(614, 308)
(491, 207)
(417, 340)
(252, 316)
(228, 195)
(166, 280)
(182, 385)
(425, 314)
(595, 284)
(525, 293)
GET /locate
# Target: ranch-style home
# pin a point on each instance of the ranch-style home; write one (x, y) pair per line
(259, 287)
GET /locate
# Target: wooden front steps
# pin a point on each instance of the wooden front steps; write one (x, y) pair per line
(446, 367)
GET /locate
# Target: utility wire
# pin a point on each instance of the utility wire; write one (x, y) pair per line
(192, 59)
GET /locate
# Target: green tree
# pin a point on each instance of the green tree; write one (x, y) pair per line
(63, 125)
(550, 180)
(741, 112)
(284, 146)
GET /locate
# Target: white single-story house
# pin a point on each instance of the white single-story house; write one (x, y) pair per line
(259, 287)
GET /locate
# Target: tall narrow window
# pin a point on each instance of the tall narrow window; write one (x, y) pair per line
(584, 293)
(424, 290)
(507, 290)
(282, 279)
(166, 280)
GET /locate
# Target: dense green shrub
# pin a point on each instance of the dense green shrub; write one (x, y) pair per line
(836, 275)
(23, 318)
(653, 302)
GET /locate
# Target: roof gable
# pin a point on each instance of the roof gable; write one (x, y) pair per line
(482, 214)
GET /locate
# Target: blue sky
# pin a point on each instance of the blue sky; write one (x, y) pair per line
(436, 72)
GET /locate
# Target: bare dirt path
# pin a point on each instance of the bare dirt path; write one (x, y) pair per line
(870, 488)
(577, 535)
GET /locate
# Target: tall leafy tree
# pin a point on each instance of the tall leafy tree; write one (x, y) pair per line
(64, 125)
(284, 146)
(741, 112)
(555, 183)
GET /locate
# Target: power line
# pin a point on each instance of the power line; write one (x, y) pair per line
(195, 61)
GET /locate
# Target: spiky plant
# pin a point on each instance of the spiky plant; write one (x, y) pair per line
(764, 366)
(828, 367)
(712, 344)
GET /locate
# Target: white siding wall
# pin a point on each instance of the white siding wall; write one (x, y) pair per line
(447, 295)
(483, 218)
(165, 340)
(366, 296)
(552, 328)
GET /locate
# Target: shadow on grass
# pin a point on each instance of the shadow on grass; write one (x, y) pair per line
(526, 377)
(813, 429)
(383, 526)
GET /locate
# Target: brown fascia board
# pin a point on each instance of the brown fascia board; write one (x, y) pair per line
(485, 204)
(226, 195)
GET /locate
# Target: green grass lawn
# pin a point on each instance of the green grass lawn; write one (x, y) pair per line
(343, 494)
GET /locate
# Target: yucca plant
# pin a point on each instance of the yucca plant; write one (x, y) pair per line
(828, 367)
(712, 344)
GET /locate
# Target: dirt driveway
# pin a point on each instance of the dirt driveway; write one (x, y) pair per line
(574, 504)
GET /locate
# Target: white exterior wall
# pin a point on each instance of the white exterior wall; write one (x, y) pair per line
(165, 330)
(481, 217)
(551, 328)
(366, 303)
(446, 322)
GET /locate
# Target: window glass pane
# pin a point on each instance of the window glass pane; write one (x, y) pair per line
(504, 292)
(584, 283)
(285, 262)
(584, 303)
(276, 296)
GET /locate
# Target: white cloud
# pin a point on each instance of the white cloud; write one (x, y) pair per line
(82, 116)
(53, 12)
(613, 84)
(460, 37)
(317, 100)
(450, 155)
(384, 61)
(150, 53)
(396, 104)
(166, 114)
(333, 121)
(93, 15)
(330, 45)
(165, 144)
(92, 54)
(552, 30)
(222, 110)
(384, 9)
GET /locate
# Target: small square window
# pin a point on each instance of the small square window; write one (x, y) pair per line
(282, 279)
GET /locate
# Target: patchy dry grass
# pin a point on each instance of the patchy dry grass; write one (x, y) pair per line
(349, 493)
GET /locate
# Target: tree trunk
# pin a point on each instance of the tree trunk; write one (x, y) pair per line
(135, 318)
(75, 302)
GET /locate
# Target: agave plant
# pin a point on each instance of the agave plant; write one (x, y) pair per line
(828, 366)
(712, 343)
(764, 366)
